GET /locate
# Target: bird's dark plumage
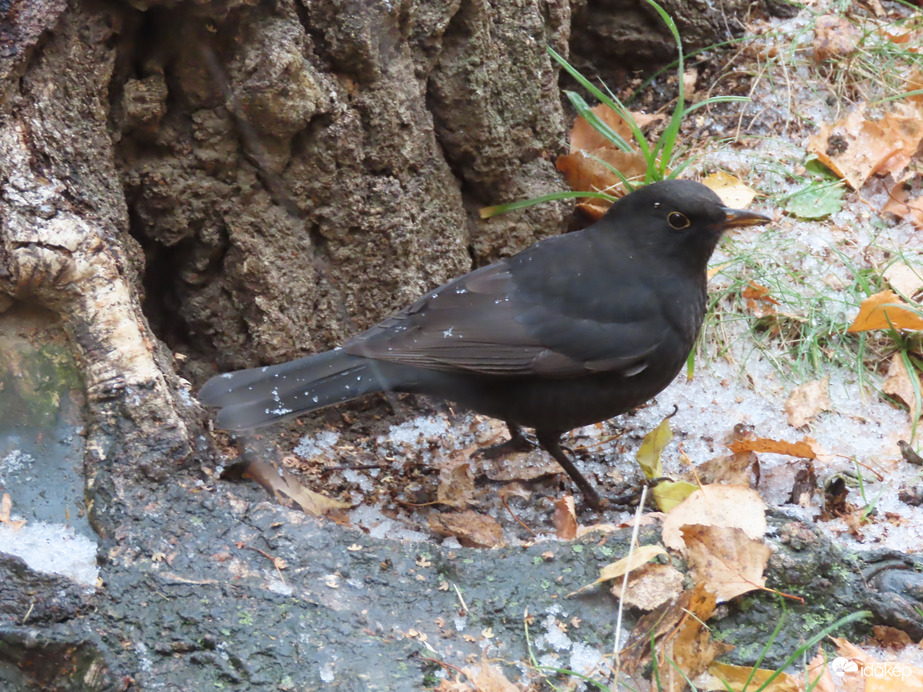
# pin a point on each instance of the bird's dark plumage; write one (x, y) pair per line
(571, 331)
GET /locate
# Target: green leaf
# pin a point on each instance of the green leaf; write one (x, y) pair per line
(669, 494)
(652, 447)
(816, 169)
(815, 201)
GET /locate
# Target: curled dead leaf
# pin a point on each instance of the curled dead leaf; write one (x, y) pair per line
(565, 518)
(724, 676)
(6, 506)
(835, 37)
(650, 586)
(717, 505)
(680, 635)
(902, 383)
(904, 277)
(806, 401)
(885, 310)
(733, 192)
(730, 469)
(639, 556)
(470, 528)
(591, 158)
(905, 205)
(284, 486)
(759, 300)
(487, 677)
(725, 559)
(855, 148)
(456, 484)
(805, 449)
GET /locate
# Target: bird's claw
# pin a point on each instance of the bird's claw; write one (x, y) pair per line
(631, 498)
(501, 449)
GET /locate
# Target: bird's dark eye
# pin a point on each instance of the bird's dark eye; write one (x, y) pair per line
(678, 221)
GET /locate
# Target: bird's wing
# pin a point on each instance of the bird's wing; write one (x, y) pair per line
(483, 322)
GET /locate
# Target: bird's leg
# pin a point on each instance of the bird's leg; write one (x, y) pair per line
(517, 443)
(551, 443)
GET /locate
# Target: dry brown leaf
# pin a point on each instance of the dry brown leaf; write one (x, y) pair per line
(900, 383)
(717, 505)
(819, 674)
(585, 137)
(891, 637)
(875, 6)
(855, 148)
(755, 291)
(713, 271)
(732, 191)
(470, 528)
(690, 77)
(730, 469)
(677, 627)
(879, 675)
(915, 80)
(903, 204)
(901, 36)
(725, 559)
(759, 300)
(565, 518)
(600, 528)
(737, 677)
(904, 127)
(691, 649)
(639, 556)
(647, 519)
(834, 38)
(650, 586)
(6, 506)
(805, 448)
(521, 466)
(456, 484)
(488, 677)
(285, 485)
(583, 172)
(884, 310)
(905, 278)
(806, 401)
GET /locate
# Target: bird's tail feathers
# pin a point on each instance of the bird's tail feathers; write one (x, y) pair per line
(260, 396)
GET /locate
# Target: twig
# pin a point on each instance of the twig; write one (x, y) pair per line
(618, 621)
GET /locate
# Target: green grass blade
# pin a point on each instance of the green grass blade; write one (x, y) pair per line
(663, 152)
(611, 102)
(812, 642)
(597, 123)
(915, 385)
(488, 212)
(629, 186)
(718, 99)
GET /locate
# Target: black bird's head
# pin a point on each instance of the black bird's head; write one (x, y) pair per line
(679, 218)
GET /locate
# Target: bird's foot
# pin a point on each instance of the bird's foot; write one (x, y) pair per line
(631, 498)
(517, 443)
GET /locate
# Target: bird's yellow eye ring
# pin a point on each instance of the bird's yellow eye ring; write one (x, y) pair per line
(678, 220)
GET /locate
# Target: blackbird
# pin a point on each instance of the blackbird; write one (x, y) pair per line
(576, 329)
